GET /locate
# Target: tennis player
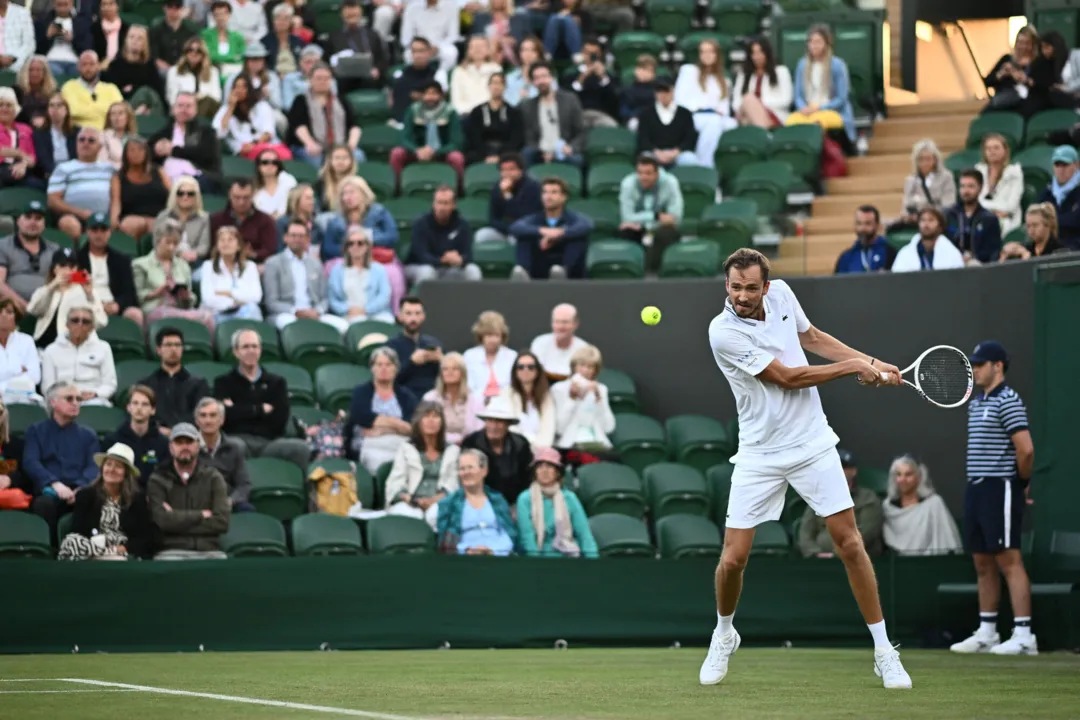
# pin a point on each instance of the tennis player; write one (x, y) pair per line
(784, 439)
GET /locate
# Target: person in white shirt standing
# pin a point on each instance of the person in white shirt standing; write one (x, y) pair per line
(437, 21)
(758, 341)
(554, 349)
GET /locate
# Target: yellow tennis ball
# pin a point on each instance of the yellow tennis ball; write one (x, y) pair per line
(650, 315)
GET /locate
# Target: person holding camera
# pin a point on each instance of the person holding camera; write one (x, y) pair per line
(163, 280)
(597, 90)
(66, 287)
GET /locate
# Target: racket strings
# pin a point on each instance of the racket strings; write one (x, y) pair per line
(945, 376)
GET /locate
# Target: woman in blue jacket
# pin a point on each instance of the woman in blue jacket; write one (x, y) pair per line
(359, 288)
(551, 521)
(821, 86)
(357, 206)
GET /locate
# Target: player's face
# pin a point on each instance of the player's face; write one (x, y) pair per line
(746, 289)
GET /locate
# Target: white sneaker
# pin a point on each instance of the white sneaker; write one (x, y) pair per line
(888, 667)
(519, 274)
(979, 642)
(557, 272)
(721, 649)
(1017, 645)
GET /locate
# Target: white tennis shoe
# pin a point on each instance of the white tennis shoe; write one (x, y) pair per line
(888, 667)
(721, 649)
(979, 642)
(1017, 645)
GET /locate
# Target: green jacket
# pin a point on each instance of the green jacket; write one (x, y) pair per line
(814, 536)
(633, 207)
(183, 527)
(237, 46)
(527, 532)
(414, 133)
(150, 275)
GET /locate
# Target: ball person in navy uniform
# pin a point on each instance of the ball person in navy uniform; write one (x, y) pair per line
(1000, 457)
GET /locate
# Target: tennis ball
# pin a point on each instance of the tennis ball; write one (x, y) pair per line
(650, 315)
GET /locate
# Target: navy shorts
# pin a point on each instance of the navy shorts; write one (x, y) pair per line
(993, 513)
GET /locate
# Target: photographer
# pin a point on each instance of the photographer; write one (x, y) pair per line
(597, 90)
(163, 280)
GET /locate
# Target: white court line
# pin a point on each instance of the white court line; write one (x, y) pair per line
(244, 700)
(55, 692)
(32, 680)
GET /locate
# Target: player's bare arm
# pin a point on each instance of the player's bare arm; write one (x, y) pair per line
(1025, 453)
(808, 376)
(828, 347)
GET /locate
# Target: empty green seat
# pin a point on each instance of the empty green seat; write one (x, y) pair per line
(771, 538)
(198, 345)
(125, 337)
(369, 106)
(310, 416)
(675, 489)
(615, 260)
(365, 484)
(253, 534)
(688, 44)
(698, 441)
(621, 536)
(698, 186)
(379, 176)
(610, 144)
(277, 487)
(423, 178)
(767, 183)
(1041, 125)
(480, 178)
(684, 536)
(606, 487)
(962, 160)
(603, 213)
(1038, 166)
(13, 200)
(718, 481)
(395, 534)
(381, 474)
(496, 259)
(378, 140)
(405, 211)
(475, 211)
(876, 479)
(626, 46)
(334, 384)
(298, 379)
(1007, 124)
(365, 333)
(737, 17)
(800, 147)
(731, 223)
(622, 391)
(268, 336)
(21, 416)
(670, 18)
(604, 180)
(24, 534)
(121, 242)
(738, 148)
(234, 167)
(128, 373)
(569, 173)
(311, 344)
(209, 371)
(692, 258)
(640, 440)
(102, 419)
(323, 534)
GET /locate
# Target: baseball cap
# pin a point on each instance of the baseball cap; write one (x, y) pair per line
(185, 430)
(662, 83)
(173, 3)
(64, 256)
(98, 220)
(1065, 154)
(989, 351)
(34, 207)
(846, 458)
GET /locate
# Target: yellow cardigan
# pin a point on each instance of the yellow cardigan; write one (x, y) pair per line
(90, 110)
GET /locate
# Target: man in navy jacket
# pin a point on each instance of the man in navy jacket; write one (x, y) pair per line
(973, 228)
(551, 243)
(1063, 193)
(871, 252)
(441, 243)
(62, 24)
(512, 198)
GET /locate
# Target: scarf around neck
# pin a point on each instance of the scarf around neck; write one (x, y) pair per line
(439, 115)
(564, 530)
(1061, 191)
(318, 116)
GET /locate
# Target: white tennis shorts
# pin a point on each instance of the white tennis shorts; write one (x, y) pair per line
(759, 484)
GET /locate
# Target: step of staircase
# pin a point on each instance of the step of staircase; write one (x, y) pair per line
(948, 140)
(879, 184)
(835, 224)
(882, 164)
(844, 205)
(957, 107)
(924, 126)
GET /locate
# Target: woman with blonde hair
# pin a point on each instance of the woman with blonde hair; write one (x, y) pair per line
(490, 362)
(195, 74)
(1003, 182)
(230, 285)
(163, 280)
(1010, 73)
(340, 164)
(34, 85)
(119, 126)
(469, 83)
(359, 289)
(301, 205)
(703, 89)
(185, 207)
(460, 405)
(134, 71)
(583, 414)
(917, 521)
(930, 184)
(530, 397)
(424, 470)
(822, 83)
(1042, 230)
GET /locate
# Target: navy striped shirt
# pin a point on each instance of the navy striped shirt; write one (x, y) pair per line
(992, 421)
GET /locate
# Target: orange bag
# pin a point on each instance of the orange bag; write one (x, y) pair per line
(14, 499)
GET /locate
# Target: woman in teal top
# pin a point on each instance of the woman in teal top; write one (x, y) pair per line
(551, 521)
(475, 520)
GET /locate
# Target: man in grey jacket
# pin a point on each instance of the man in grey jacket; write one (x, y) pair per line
(554, 122)
(650, 208)
(227, 456)
(294, 284)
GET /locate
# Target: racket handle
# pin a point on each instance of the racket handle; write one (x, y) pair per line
(885, 377)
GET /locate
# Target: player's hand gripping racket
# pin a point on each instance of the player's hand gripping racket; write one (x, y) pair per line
(942, 375)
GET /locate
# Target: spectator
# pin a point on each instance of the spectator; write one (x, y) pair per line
(973, 228)
(283, 48)
(470, 83)
(1042, 233)
(249, 19)
(597, 90)
(223, 454)
(930, 184)
(230, 286)
(246, 124)
(430, 132)
(272, 183)
(108, 31)
(34, 85)
(80, 187)
(301, 206)
(420, 354)
(822, 84)
(704, 90)
(257, 407)
(437, 21)
(256, 227)
(499, 32)
(619, 14)
(294, 284)
(163, 280)
(508, 453)
(554, 122)
(88, 96)
(80, 358)
(410, 81)
(460, 405)
(134, 72)
(929, 249)
(376, 426)
(318, 120)
(666, 130)
(650, 208)
(490, 363)
(340, 164)
(871, 251)
(185, 148)
(120, 125)
(1011, 71)
(583, 415)
(111, 519)
(424, 469)
(1003, 183)
(62, 35)
(385, 14)
(1044, 82)
(530, 399)
(185, 207)
(55, 142)
(63, 291)
(176, 390)
(553, 350)
(519, 83)
(196, 75)
(916, 519)
(814, 539)
(110, 271)
(768, 103)
(494, 128)
(18, 35)
(25, 257)
(138, 190)
(168, 37)
(476, 519)
(263, 85)
(1063, 193)
(640, 94)
(58, 457)
(17, 157)
(564, 30)
(515, 196)
(298, 83)
(551, 243)
(141, 433)
(359, 289)
(441, 243)
(224, 44)
(353, 41)
(189, 501)
(20, 367)
(551, 521)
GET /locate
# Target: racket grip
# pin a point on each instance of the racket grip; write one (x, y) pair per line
(885, 377)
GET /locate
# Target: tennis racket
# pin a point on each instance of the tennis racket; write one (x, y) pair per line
(942, 375)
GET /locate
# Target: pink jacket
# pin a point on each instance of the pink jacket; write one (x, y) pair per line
(24, 138)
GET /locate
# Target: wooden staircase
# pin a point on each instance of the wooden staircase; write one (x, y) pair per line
(876, 179)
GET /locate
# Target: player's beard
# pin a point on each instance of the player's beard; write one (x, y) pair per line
(746, 311)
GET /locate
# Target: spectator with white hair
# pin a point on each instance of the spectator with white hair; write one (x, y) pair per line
(283, 48)
(88, 96)
(79, 357)
(490, 362)
(163, 280)
(298, 83)
(425, 468)
(917, 521)
(294, 284)
(225, 455)
(476, 519)
(17, 156)
(82, 186)
(460, 405)
(930, 184)
(583, 414)
(377, 425)
(554, 349)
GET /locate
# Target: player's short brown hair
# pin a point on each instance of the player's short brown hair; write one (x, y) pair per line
(744, 258)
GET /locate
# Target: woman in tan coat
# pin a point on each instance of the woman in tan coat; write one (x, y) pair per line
(65, 287)
(424, 469)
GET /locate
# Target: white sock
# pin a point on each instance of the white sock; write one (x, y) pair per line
(724, 623)
(881, 638)
(987, 623)
(1022, 627)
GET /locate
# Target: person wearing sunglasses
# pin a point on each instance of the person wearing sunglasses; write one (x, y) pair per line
(81, 358)
(65, 288)
(529, 395)
(359, 288)
(185, 207)
(272, 184)
(196, 74)
(88, 96)
(81, 186)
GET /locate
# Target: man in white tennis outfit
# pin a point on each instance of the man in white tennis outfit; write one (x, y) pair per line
(784, 439)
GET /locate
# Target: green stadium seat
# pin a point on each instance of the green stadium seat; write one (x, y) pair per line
(688, 44)
(962, 160)
(395, 534)
(277, 487)
(13, 200)
(698, 441)
(24, 534)
(312, 344)
(310, 416)
(1042, 124)
(379, 177)
(800, 147)
(621, 536)
(670, 18)
(496, 259)
(123, 243)
(612, 259)
(692, 258)
(718, 481)
(604, 180)
(420, 179)
(806, 6)
(1065, 551)
(899, 238)
(209, 371)
(569, 173)
(687, 536)
(53, 235)
(128, 373)
(737, 17)
(640, 441)
(268, 334)
(1008, 124)
(622, 391)
(603, 213)
(358, 331)
(234, 167)
(606, 487)
(474, 210)
(334, 384)
(1037, 165)
(198, 344)
(8, 78)
(738, 148)
(303, 171)
(20, 417)
(1061, 15)
(876, 479)
(1015, 235)
(731, 223)
(63, 527)
(675, 489)
(378, 140)
(766, 183)
(102, 419)
(253, 534)
(365, 484)
(125, 337)
(369, 106)
(301, 387)
(381, 473)
(771, 539)
(626, 46)
(480, 178)
(149, 125)
(322, 534)
(405, 211)
(610, 144)
(699, 186)
(214, 203)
